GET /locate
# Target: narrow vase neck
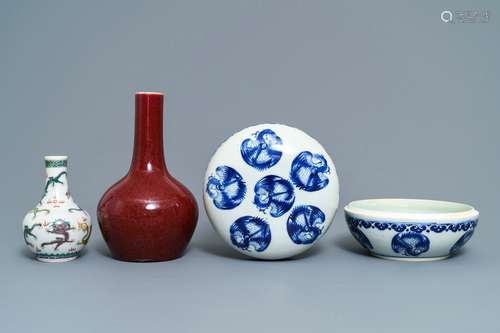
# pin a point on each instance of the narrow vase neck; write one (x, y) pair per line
(56, 184)
(148, 142)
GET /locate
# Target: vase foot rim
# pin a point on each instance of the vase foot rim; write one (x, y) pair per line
(56, 260)
(410, 259)
(141, 260)
(145, 260)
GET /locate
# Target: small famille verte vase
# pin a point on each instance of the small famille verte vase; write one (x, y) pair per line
(57, 229)
(148, 215)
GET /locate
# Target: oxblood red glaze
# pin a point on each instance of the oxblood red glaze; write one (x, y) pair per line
(147, 215)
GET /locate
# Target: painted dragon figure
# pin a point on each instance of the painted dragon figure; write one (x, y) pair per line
(87, 229)
(77, 209)
(36, 210)
(28, 231)
(59, 227)
(54, 180)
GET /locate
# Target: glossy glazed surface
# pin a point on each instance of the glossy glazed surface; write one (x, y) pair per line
(411, 229)
(57, 229)
(271, 191)
(147, 215)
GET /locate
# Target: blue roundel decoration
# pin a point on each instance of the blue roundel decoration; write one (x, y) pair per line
(361, 238)
(226, 188)
(310, 171)
(410, 243)
(461, 241)
(263, 150)
(250, 234)
(274, 194)
(305, 224)
(271, 180)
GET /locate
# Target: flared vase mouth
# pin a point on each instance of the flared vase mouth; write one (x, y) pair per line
(149, 93)
(56, 158)
(411, 210)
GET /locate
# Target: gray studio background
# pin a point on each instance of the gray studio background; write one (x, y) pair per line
(408, 106)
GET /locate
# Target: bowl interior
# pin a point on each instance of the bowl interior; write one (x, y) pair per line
(412, 210)
(412, 206)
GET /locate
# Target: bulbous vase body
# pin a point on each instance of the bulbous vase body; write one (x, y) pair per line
(147, 215)
(57, 229)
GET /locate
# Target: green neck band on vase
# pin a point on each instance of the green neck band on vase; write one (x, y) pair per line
(56, 163)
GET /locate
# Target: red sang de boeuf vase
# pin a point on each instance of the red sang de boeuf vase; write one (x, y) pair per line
(148, 215)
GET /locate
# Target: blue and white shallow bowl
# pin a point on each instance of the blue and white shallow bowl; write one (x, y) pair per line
(411, 229)
(271, 191)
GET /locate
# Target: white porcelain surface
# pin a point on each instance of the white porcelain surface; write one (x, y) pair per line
(271, 191)
(57, 229)
(411, 229)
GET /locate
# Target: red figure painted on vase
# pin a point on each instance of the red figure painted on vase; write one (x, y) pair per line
(147, 215)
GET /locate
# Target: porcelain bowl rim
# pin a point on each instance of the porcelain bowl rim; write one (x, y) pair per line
(468, 213)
